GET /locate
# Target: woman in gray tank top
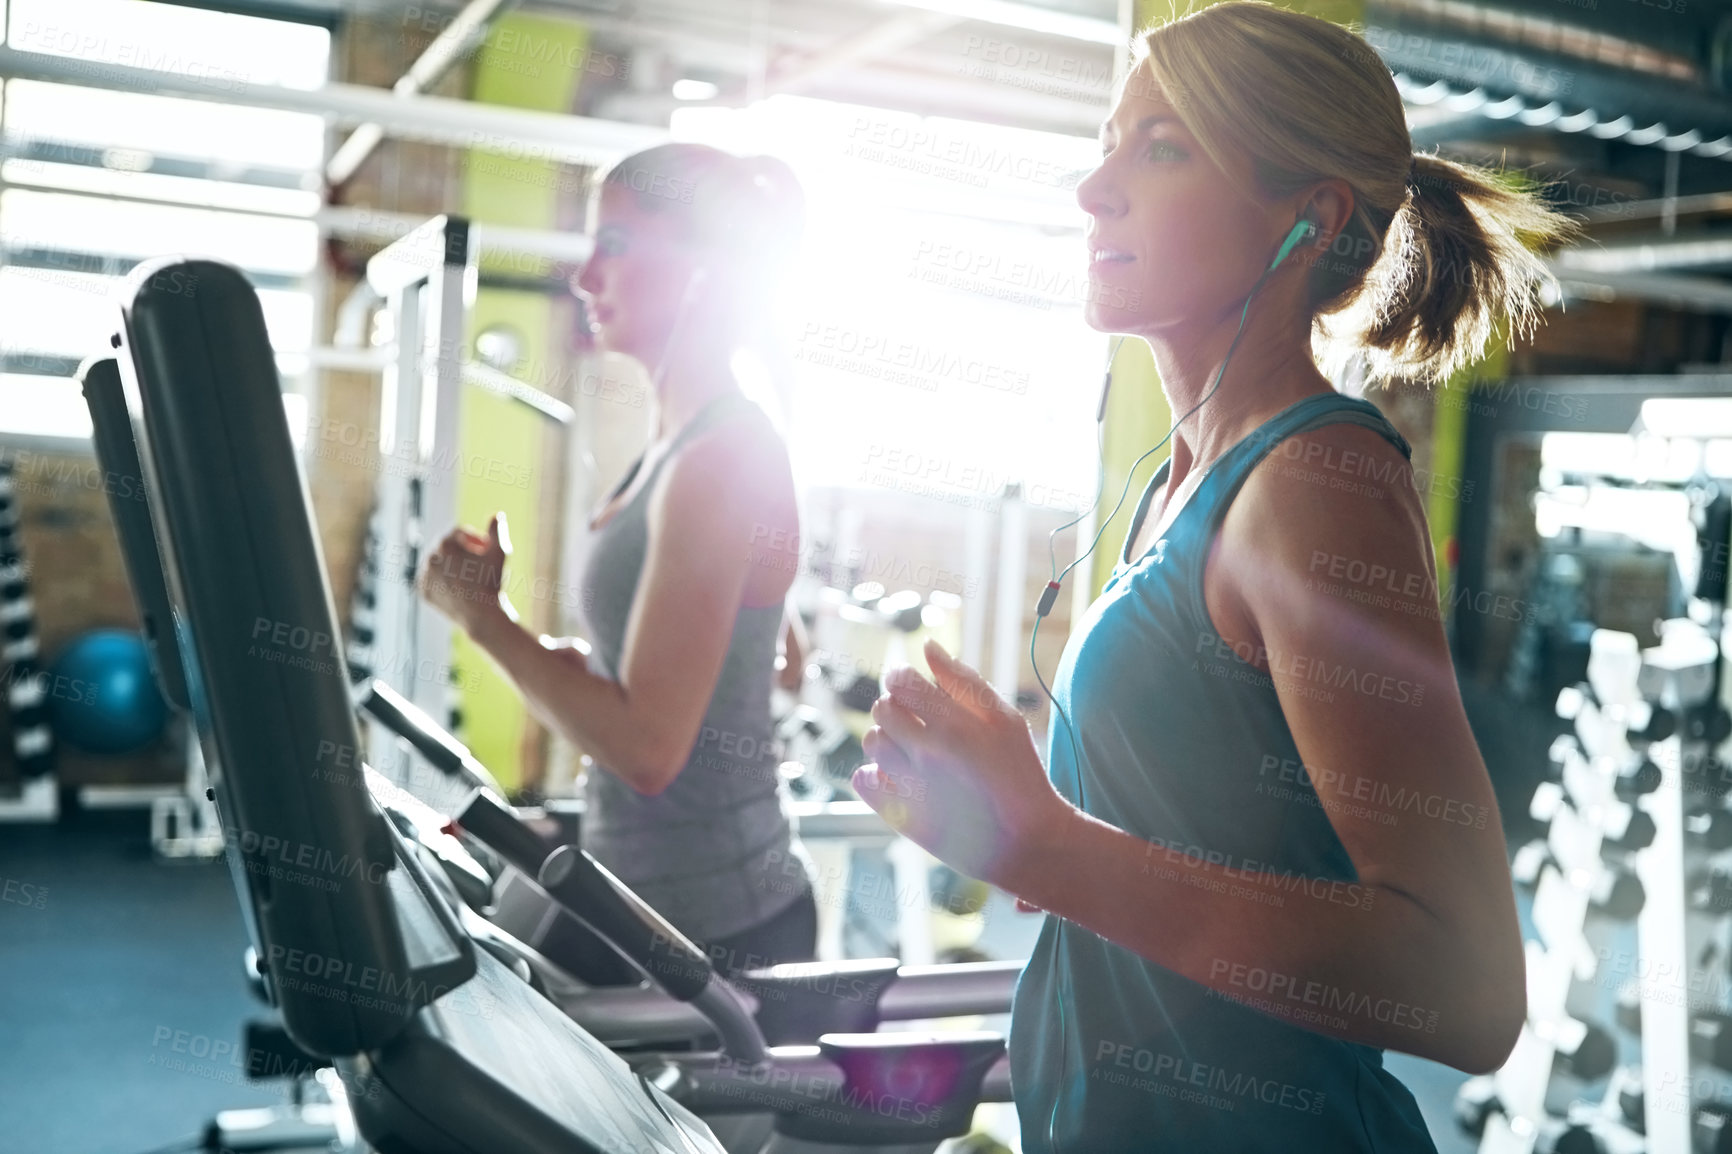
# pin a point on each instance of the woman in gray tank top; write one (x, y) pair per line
(690, 562)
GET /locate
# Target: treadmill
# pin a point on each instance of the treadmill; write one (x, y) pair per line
(445, 1049)
(793, 1003)
(449, 1007)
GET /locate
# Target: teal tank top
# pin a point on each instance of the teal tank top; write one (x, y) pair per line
(1174, 734)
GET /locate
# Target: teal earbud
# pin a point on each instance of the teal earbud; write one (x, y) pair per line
(1302, 232)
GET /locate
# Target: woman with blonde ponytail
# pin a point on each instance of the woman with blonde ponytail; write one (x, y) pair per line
(1265, 841)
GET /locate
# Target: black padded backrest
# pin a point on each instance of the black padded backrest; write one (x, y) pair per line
(123, 481)
(461, 1057)
(352, 945)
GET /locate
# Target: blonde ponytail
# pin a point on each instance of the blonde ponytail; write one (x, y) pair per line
(1458, 258)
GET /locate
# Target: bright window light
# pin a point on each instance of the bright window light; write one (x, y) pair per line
(935, 165)
(1659, 519)
(222, 49)
(225, 134)
(56, 409)
(82, 224)
(156, 186)
(288, 319)
(688, 89)
(1028, 18)
(43, 407)
(1656, 517)
(295, 411)
(934, 322)
(58, 312)
(1627, 458)
(1687, 416)
(79, 187)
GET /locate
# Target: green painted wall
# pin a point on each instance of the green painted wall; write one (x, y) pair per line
(527, 62)
(1137, 418)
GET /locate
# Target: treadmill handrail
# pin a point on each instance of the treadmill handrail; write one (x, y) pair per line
(802, 1079)
(803, 1076)
(491, 821)
(588, 891)
(647, 1014)
(952, 990)
(433, 742)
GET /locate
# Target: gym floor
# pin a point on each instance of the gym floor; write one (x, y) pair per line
(122, 995)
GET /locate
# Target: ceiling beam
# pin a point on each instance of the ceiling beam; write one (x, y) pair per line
(433, 119)
(1649, 254)
(466, 30)
(1550, 91)
(887, 36)
(1695, 294)
(1659, 207)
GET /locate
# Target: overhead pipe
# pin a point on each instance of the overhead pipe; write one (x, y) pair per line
(1659, 207)
(1708, 250)
(352, 222)
(1549, 90)
(1077, 114)
(1550, 115)
(453, 42)
(1039, 19)
(883, 39)
(548, 136)
(1627, 36)
(1697, 294)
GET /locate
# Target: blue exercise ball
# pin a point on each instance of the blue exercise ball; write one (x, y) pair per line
(102, 697)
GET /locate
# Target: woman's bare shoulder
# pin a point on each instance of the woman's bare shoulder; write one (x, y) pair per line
(1341, 497)
(1333, 471)
(741, 464)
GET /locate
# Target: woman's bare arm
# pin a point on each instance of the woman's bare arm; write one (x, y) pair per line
(642, 725)
(1423, 954)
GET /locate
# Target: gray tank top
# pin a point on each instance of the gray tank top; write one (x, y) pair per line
(715, 852)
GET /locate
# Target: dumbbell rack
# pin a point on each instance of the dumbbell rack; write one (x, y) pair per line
(1684, 941)
(1665, 930)
(1619, 798)
(1576, 893)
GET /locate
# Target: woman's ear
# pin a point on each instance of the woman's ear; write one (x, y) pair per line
(1331, 205)
(1344, 249)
